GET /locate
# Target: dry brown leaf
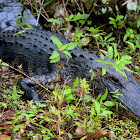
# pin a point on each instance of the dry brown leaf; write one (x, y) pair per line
(3, 137)
(95, 135)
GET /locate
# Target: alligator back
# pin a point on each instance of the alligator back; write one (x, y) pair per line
(33, 48)
(28, 49)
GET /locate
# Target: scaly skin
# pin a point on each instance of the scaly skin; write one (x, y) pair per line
(33, 48)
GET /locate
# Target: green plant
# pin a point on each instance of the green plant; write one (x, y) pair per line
(107, 40)
(119, 64)
(54, 21)
(3, 63)
(122, 128)
(79, 18)
(132, 39)
(66, 104)
(23, 22)
(137, 69)
(63, 106)
(117, 23)
(13, 96)
(77, 38)
(63, 49)
(95, 33)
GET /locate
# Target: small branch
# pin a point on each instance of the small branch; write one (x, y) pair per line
(68, 23)
(37, 10)
(29, 78)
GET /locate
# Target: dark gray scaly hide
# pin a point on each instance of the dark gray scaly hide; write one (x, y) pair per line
(33, 48)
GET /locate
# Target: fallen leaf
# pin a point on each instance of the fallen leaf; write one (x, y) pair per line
(3, 137)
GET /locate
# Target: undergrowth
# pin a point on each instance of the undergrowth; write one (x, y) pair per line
(71, 112)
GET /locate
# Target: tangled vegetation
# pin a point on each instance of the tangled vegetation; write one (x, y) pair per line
(70, 112)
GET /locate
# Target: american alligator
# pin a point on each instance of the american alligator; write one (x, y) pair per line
(33, 48)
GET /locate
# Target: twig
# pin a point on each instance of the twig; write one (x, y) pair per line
(43, 9)
(37, 10)
(29, 78)
(68, 23)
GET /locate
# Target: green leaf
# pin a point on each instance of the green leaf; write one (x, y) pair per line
(100, 61)
(83, 138)
(97, 107)
(69, 98)
(103, 97)
(76, 82)
(137, 68)
(119, 17)
(103, 71)
(63, 47)
(108, 36)
(109, 63)
(104, 51)
(3, 104)
(112, 22)
(54, 21)
(108, 103)
(69, 134)
(110, 52)
(120, 23)
(67, 91)
(126, 57)
(55, 60)
(102, 56)
(42, 105)
(55, 92)
(123, 74)
(20, 32)
(71, 46)
(56, 41)
(76, 17)
(131, 31)
(84, 16)
(79, 35)
(127, 69)
(53, 110)
(5, 64)
(70, 17)
(125, 37)
(18, 127)
(106, 112)
(115, 25)
(116, 52)
(112, 19)
(55, 54)
(98, 97)
(91, 70)
(132, 36)
(67, 55)
(92, 111)
(138, 24)
(111, 39)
